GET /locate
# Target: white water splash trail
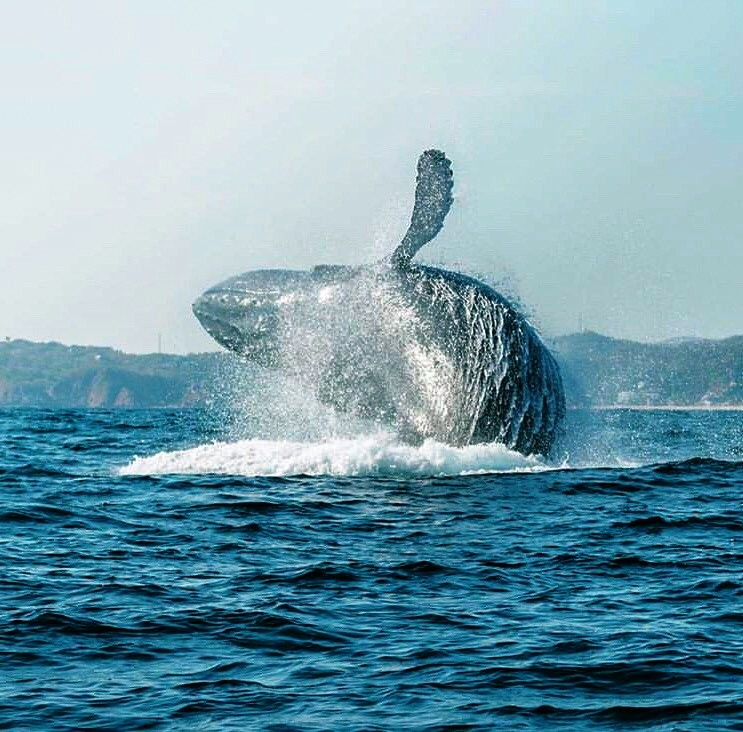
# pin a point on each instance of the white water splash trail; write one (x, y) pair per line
(379, 454)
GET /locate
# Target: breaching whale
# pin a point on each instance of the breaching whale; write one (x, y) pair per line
(430, 352)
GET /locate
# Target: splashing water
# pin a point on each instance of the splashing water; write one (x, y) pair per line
(377, 362)
(373, 455)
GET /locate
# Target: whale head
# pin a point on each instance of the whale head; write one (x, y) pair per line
(244, 313)
(249, 312)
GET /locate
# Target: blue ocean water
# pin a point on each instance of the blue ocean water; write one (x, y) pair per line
(207, 585)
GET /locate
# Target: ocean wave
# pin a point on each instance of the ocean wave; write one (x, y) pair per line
(380, 454)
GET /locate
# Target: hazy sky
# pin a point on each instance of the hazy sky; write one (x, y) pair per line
(150, 149)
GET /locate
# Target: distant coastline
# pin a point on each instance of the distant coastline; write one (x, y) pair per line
(668, 407)
(599, 372)
(683, 374)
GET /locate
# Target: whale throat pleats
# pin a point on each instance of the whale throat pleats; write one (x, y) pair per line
(433, 200)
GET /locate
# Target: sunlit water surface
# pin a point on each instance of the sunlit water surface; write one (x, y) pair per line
(161, 571)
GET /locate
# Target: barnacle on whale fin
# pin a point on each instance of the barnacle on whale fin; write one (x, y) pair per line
(433, 199)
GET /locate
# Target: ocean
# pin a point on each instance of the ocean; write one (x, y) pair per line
(171, 570)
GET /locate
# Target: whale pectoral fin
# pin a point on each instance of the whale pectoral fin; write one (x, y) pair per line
(433, 200)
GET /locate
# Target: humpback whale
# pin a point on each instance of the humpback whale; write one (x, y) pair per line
(430, 352)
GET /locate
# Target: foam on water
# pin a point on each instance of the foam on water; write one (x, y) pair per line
(378, 454)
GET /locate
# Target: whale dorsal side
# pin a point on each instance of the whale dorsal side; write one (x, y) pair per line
(433, 200)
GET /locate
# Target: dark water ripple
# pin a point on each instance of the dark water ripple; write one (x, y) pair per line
(586, 598)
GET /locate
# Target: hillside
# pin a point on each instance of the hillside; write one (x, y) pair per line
(52, 374)
(598, 371)
(602, 371)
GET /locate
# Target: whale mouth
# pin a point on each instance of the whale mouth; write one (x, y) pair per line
(246, 313)
(241, 323)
